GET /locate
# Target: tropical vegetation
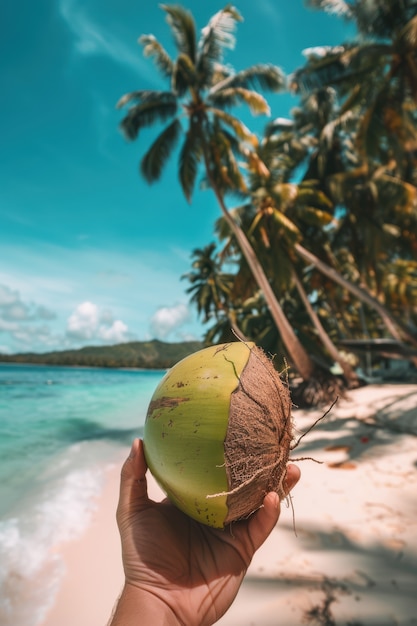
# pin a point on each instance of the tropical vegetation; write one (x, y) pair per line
(317, 239)
(153, 354)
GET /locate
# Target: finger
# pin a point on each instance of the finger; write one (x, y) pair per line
(263, 521)
(133, 485)
(292, 477)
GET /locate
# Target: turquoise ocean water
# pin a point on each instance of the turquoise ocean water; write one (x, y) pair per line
(60, 427)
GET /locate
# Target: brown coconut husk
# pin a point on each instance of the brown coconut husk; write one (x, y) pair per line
(259, 436)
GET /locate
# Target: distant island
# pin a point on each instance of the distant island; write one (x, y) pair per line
(134, 354)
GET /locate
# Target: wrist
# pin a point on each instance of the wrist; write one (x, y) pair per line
(140, 607)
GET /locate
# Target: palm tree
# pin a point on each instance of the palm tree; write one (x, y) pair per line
(202, 89)
(375, 76)
(279, 215)
(396, 327)
(400, 288)
(211, 288)
(363, 156)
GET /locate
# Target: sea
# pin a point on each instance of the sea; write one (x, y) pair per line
(60, 429)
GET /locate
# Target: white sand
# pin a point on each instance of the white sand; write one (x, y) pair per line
(353, 561)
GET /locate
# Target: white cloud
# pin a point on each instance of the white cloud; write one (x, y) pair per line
(168, 319)
(19, 322)
(7, 296)
(90, 323)
(269, 10)
(14, 309)
(92, 39)
(82, 324)
(26, 326)
(116, 333)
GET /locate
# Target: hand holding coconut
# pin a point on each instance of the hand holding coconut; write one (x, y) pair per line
(179, 571)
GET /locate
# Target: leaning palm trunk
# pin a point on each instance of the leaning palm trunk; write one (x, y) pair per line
(394, 327)
(296, 352)
(348, 373)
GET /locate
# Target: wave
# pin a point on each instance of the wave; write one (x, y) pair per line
(30, 566)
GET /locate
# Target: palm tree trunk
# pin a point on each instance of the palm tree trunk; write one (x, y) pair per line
(296, 352)
(348, 371)
(394, 327)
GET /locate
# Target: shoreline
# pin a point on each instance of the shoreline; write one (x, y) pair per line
(354, 550)
(89, 587)
(85, 367)
(93, 575)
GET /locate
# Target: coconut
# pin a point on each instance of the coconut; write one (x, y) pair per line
(218, 433)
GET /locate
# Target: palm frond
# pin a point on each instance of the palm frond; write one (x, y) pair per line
(238, 127)
(372, 126)
(189, 159)
(344, 68)
(385, 19)
(144, 95)
(152, 48)
(184, 75)
(338, 7)
(403, 194)
(156, 107)
(314, 196)
(215, 37)
(286, 193)
(278, 125)
(183, 29)
(316, 217)
(233, 142)
(234, 95)
(290, 229)
(409, 34)
(154, 160)
(255, 223)
(256, 166)
(224, 170)
(264, 76)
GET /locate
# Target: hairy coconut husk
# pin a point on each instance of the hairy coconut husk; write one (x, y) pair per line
(259, 435)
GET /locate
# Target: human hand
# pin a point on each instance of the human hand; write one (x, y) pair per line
(175, 567)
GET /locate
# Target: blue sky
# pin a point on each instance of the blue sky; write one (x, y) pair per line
(89, 253)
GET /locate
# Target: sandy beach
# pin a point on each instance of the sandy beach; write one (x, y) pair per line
(351, 558)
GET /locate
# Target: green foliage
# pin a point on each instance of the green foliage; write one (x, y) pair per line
(144, 355)
(201, 91)
(329, 197)
(154, 160)
(355, 207)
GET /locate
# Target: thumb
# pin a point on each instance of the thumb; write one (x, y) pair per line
(133, 487)
(261, 524)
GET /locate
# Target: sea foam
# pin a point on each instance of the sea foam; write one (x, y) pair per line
(30, 566)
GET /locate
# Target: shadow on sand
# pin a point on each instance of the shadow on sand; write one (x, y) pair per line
(359, 432)
(379, 590)
(78, 430)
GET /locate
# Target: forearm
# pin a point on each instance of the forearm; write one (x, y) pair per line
(137, 607)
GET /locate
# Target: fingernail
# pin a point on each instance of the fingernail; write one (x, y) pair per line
(133, 450)
(274, 499)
